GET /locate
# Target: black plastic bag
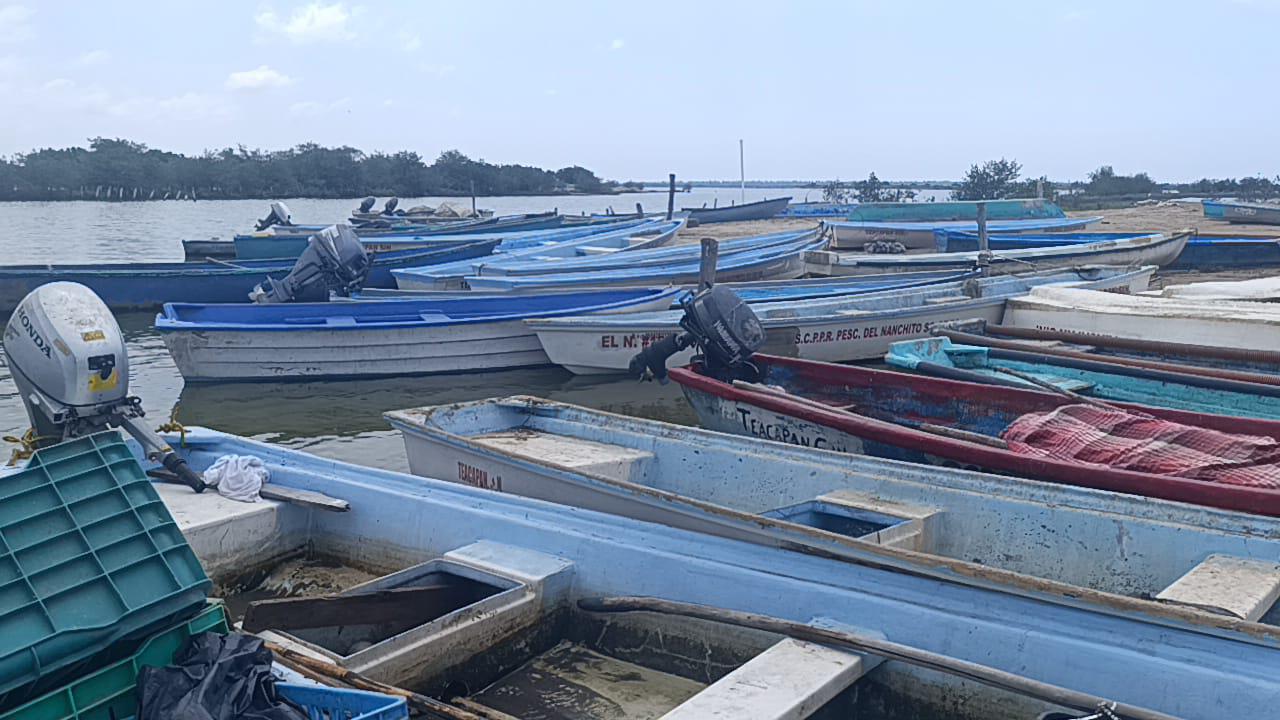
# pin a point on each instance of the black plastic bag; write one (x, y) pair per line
(216, 677)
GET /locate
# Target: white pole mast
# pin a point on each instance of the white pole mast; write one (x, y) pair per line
(742, 173)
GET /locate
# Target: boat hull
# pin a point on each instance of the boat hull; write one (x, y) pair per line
(346, 350)
(1242, 213)
(969, 406)
(951, 211)
(919, 236)
(1159, 250)
(588, 348)
(145, 286)
(759, 210)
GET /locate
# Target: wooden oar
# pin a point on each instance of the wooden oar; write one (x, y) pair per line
(421, 703)
(975, 672)
(1038, 382)
(216, 261)
(953, 433)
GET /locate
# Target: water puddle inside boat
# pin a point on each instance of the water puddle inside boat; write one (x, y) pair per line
(299, 576)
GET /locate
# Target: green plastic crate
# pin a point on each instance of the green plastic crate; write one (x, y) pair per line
(112, 691)
(91, 564)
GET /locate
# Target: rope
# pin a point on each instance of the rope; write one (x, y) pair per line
(27, 445)
(173, 426)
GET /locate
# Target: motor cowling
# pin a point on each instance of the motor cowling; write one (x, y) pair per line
(68, 358)
(389, 208)
(279, 215)
(367, 204)
(721, 325)
(66, 351)
(334, 261)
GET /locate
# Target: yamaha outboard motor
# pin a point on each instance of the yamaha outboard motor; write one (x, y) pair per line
(721, 326)
(279, 215)
(367, 204)
(333, 261)
(68, 359)
(389, 208)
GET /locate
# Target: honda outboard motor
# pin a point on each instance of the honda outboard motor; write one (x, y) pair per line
(279, 215)
(333, 261)
(68, 359)
(367, 204)
(724, 329)
(390, 207)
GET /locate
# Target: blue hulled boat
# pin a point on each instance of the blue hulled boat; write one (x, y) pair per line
(140, 286)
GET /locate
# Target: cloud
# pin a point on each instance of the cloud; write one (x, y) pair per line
(259, 78)
(316, 22)
(14, 23)
(312, 108)
(617, 44)
(437, 69)
(94, 57)
(59, 84)
(410, 42)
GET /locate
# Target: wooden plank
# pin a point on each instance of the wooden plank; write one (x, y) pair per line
(308, 498)
(788, 681)
(1227, 585)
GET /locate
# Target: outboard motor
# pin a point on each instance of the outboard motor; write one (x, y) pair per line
(279, 215)
(333, 261)
(724, 329)
(367, 204)
(68, 359)
(389, 208)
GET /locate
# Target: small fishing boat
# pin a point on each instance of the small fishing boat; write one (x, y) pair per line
(143, 286)
(775, 493)
(955, 210)
(775, 262)
(940, 357)
(758, 210)
(1261, 366)
(525, 621)
(203, 250)
(1241, 325)
(278, 242)
(1202, 252)
(645, 236)
(817, 210)
(1153, 249)
(1242, 212)
(853, 235)
(837, 329)
(370, 339)
(594, 260)
(1265, 289)
(927, 419)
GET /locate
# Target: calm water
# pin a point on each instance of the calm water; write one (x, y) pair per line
(343, 419)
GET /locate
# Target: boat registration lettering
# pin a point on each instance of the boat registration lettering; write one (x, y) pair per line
(780, 432)
(862, 332)
(631, 341)
(475, 477)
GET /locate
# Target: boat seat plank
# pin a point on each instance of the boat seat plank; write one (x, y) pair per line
(1239, 587)
(913, 534)
(789, 681)
(613, 461)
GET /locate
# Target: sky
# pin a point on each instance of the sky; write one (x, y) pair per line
(909, 90)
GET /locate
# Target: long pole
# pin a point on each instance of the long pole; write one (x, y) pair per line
(742, 173)
(671, 195)
(984, 244)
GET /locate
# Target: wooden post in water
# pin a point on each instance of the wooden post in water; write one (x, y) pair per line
(742, 173)
(473, 198)
(984, 244)
(639, 209)
(671, 195)
(707, 263)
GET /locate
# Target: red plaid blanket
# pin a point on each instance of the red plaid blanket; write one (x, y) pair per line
(1133, 441)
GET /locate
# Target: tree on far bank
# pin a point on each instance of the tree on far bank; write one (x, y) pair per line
(993, 180)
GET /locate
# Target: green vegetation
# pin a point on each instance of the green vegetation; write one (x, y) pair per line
(873, 189)
(120, 169)
(999, 180)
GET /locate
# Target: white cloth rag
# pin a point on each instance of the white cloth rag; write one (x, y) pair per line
(238, 477)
